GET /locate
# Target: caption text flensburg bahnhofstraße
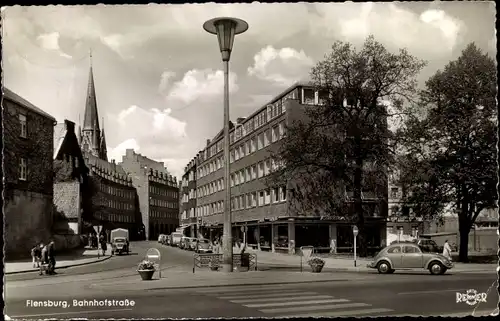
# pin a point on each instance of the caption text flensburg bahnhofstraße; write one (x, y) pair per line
(79, 303)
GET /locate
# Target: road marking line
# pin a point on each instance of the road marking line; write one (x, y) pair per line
(251, 292)
(304, 297)
(338, 313)
(430, 291)
(258, 296)
(240, 288)
(315, 308)
(284, 304)
(69, 312)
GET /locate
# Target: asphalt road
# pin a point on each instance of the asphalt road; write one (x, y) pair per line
(123, 264)
(408, 293)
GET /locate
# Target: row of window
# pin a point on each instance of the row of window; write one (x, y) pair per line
(115, 217)
(113, 190)
(162, 203)
(247, 174)
(269, 113)
(252, 145)
(161, 191)
(115, 204)
(245, 201)
(162, 214)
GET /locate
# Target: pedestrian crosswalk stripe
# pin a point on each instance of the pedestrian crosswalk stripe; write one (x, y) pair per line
(257, 296)
(251, 292)
(315, 308)
(240, 288)
(293, 303)
(301, 297)
(327, 314)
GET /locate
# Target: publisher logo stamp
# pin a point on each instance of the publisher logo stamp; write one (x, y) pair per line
(471, 297)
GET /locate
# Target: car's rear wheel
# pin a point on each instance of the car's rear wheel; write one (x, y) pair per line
(436, 268)
(384, 267)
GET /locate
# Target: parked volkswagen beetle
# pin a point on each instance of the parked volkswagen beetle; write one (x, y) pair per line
(401, 256)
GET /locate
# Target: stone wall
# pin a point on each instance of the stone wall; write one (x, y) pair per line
(28, 220)
(68, 242)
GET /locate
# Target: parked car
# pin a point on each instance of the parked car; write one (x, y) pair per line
(161, 238)
(401, 256)
(203, 246)
(281, 241)
(176, 239)
(166, 240)
(186, 243)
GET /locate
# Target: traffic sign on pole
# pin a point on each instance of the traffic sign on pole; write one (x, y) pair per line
(355, 231)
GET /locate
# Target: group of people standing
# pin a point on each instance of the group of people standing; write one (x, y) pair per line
(44, 255)
(94, 241)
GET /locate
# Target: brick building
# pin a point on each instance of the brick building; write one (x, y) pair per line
(158, 193)
(266, 214)
(113, 198)
(70, 181)
(188, 218)
(28, 173)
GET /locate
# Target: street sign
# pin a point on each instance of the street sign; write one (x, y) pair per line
(154, 256)
(306, 251)
(355, 230)
(97, 228)
(242, 229)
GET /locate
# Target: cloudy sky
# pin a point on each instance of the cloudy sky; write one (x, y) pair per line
(158, 73)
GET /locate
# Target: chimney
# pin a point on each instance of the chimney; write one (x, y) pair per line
(208, 142)
(240, 120)
(70, 126)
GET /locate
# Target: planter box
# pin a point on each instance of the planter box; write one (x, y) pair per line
(316, 268)
(146, 274)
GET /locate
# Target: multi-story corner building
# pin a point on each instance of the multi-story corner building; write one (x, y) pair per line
(158, 193)
(28, 135)
(113, 196)
(265, 217)
(188, 218)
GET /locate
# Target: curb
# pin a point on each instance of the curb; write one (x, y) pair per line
(60, 267)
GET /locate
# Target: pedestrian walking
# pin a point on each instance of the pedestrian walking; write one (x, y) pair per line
(35, 255)
(51, 257)
(102, 240)
(447, 250)
(44, 258)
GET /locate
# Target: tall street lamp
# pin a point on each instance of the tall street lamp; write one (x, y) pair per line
(226, 29)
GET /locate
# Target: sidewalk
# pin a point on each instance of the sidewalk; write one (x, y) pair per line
(343, 263)
(79, 257)
(179, 279)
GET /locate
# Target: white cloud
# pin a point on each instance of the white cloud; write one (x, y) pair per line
(165, 78)
(50, 41)
(284, 66)
(196, 83)
(448, 26)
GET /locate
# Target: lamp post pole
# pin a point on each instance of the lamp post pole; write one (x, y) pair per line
(226, 29)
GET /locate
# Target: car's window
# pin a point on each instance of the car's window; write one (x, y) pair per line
(395, 249)
(411, 249)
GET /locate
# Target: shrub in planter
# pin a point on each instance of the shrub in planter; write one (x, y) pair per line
(316, 264)
(214, 263)
(146, 269)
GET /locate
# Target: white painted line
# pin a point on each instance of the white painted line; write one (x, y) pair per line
(258, 296)
(66, 313)
(292, 303)
(251, 292)
(316, 307)
(338, 313)
(239, 288)
(430, 291)
(304, 297)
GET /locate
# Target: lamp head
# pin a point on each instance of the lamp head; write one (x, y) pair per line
(225, 29)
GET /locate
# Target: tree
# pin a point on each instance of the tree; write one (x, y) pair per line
(337, 156)
(454, 145)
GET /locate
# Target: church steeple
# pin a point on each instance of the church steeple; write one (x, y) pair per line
(92, 138)
(91, 116)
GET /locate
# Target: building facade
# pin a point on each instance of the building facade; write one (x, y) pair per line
(158, 193)
(188, 219)
(113, 198)
(263, 216)
(70, 182)
(28, 135)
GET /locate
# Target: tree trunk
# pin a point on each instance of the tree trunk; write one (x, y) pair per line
(463, 253)
(358, 201)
